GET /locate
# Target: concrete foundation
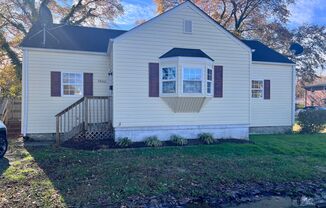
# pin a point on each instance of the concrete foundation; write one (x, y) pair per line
(270, 129)
(190, 132)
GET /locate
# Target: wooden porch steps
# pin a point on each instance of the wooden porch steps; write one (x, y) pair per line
(89, 118)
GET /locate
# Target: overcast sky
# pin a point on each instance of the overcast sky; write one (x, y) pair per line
(304, 11)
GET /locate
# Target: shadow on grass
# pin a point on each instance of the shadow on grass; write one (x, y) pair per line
(72, 177)
(4, 165)
(105, 178)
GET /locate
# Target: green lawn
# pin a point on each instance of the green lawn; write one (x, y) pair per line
(59, 177)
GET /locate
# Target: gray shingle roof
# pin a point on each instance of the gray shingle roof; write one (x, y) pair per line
(264, 53)
(68, 37)
(185, 52)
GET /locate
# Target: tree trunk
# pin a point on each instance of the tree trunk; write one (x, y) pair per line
(4, 45)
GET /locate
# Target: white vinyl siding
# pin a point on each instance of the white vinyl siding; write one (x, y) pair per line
(134, 50)
(277, 110)
(42, 108)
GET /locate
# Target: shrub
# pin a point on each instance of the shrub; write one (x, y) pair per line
(153, 141)
(312, 121)
(206, 138)
(178, 140)
(124, 142)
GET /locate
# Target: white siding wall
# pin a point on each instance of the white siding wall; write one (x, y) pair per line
(134, 50)
(278, 110)
(41, 106)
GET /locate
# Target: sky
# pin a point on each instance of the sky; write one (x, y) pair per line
(304, 11)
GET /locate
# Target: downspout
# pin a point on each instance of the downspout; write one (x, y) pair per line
(250, 67)
(293, 94)
(111, 48)
(25, 91)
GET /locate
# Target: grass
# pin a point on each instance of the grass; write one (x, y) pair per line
(50, 177)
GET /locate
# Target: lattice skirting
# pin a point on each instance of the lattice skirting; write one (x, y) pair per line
(95, 135)
(96, 131)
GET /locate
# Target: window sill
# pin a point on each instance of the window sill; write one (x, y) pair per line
(194, 95)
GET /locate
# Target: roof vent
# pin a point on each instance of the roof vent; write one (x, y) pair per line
(45, 24)
(187, 26)
(45, 16)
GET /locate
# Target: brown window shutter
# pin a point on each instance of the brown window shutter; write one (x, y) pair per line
(88, 84)
(218, 81)
(267, 89)
(154, 79)
(55, 84)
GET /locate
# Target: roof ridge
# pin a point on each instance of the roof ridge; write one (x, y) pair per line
(90, 27)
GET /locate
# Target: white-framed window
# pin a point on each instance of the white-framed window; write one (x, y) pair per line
(257, 88)
(72, 84)
(192, 80)
(187, 26)
(209, 81)
(169, 81)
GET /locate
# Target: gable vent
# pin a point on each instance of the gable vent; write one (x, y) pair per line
(187, 26)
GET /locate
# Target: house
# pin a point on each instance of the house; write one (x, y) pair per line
(315, 95)
(178, 73)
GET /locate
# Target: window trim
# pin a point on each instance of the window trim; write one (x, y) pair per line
(175, 80)
(62, 84)
(202, 81)
(262, 89)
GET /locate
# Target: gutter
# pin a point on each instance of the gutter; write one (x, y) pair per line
(273, 63)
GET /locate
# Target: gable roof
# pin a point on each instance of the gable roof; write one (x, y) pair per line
(263, 53)
(201, 12)
(68, 37)
(185, 52)
(90, 39)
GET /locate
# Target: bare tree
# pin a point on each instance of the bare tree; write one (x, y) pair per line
(17, 17)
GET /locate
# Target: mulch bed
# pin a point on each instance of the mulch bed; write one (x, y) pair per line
(110, 144)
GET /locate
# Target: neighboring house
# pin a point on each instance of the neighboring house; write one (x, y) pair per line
(179, 73)
(315, 95)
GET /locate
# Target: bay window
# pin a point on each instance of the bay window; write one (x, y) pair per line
(186, 77)
(169, 80)
(192, 80)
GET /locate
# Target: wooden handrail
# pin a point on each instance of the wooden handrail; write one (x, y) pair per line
(80, 101)
(70, 107)
(76, 118)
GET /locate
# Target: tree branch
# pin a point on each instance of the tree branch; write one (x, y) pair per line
(18, 26)
(74, 8)
(82, 19)
(4, 45)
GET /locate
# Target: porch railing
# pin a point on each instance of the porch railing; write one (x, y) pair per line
(87, 114)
